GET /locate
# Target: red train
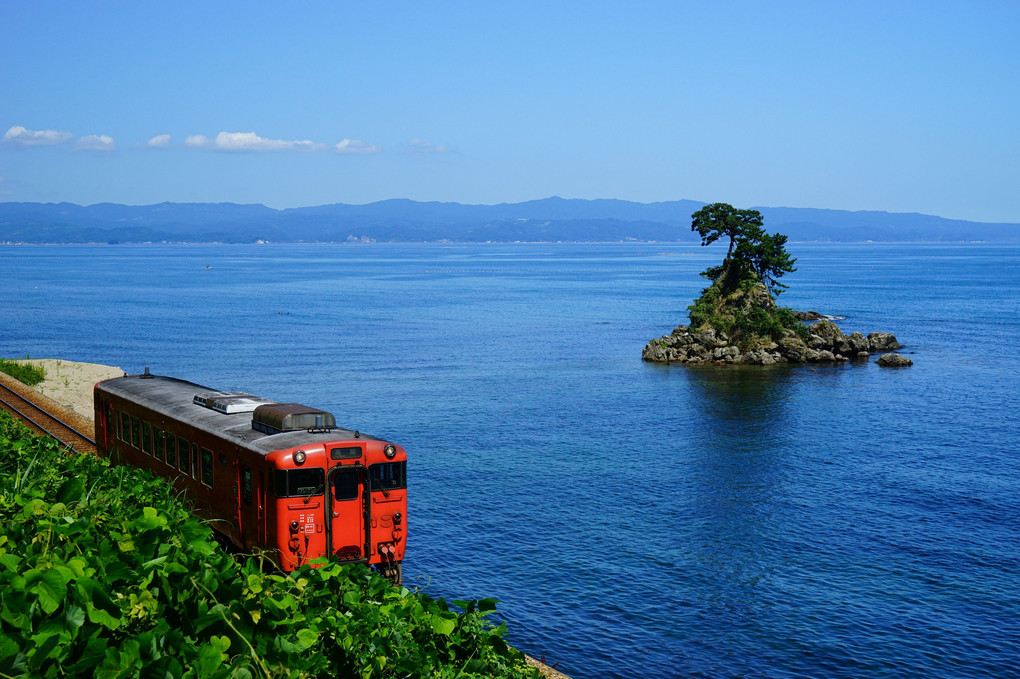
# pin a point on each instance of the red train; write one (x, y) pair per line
(280, 477)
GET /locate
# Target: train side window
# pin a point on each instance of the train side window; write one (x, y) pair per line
(146, 438)
(389, 475)
(135, 433)
(157, 443)
(171, 449)
(125, 428)
(207, 467)
(194, 460)
(182, 456)
(246, 484)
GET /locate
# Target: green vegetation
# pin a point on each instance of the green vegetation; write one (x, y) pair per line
(25, 373)
(104, 572)
(714, 221)
(741, 300)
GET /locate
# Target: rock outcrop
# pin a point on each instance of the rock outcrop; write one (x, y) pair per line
(882, 341)
(824, 342)
(891, 360)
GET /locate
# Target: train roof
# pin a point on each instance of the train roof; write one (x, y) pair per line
(176, 399)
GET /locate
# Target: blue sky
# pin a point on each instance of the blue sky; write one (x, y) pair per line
(898, 106)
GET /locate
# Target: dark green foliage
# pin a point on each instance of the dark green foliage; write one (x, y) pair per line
(721, 219)
(745, 323)
(751, 249)
(703, 311)
(766, 256)
(103, 572)
(757, 323)
(784, 316)
(23, 372)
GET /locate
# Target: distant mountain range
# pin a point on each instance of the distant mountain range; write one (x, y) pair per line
(547, 220)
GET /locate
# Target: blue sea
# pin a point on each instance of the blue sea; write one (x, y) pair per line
(633, 519)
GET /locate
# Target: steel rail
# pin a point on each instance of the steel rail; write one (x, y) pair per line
(45, 412)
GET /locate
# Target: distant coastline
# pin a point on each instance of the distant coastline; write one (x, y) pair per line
(489, 242)
(404, 221)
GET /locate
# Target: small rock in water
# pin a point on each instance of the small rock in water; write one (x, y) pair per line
(894, 361)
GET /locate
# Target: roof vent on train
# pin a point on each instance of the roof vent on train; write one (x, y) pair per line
(229, 402)
(275, 418)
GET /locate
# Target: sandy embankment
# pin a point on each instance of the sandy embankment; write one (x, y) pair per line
(70, 383)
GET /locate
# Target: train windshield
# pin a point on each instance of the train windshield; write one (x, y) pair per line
(389, 476)
(299, 482)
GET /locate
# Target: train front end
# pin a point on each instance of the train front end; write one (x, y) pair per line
(342, 497)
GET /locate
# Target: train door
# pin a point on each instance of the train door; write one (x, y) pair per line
(345, 508)
(260, 495)
(246, 519)
(103, 426)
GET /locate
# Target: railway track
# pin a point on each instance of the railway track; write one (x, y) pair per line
(46, 418)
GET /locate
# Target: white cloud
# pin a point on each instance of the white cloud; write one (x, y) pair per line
(160, 141)
(19, 136)
(249, 141)
(95, 142)
(356, 146)
(419, 146)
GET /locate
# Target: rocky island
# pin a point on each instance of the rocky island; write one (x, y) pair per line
(824, 342)
(736, 319)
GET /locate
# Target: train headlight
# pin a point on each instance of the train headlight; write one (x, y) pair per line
(390, 450)
(299, 457)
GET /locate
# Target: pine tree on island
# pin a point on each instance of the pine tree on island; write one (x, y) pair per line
(756, 251)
